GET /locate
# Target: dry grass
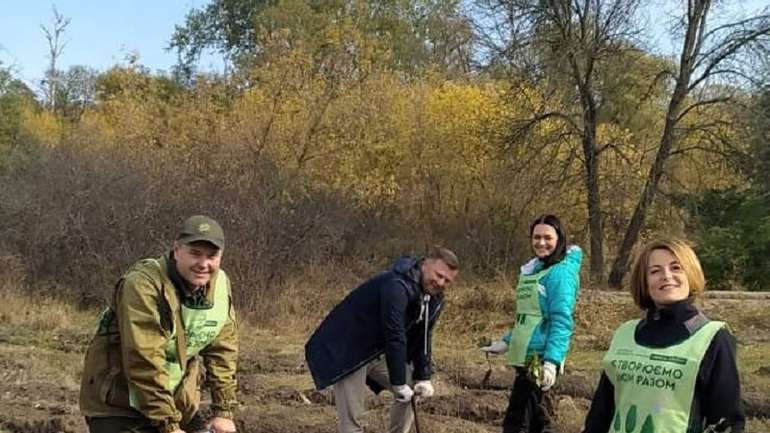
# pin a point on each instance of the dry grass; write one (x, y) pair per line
(302, 300)
(26, 309)
(38, 313)
(42, 340)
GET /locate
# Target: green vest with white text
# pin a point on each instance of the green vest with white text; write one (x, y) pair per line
(654, 387)
(201, 327)
(528, 317)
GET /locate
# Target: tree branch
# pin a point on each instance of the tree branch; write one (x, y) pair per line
(702, 104)
(617, 150)
(732, 36)
(728, 48)
(529, 123)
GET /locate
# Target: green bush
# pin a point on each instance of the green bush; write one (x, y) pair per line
(732, 232)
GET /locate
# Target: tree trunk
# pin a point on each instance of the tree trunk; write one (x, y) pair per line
(584, 77)
(690, 48)
(594, 206)
(55, 47)
(620, 266)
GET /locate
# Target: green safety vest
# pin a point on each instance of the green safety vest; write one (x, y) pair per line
(654, 387)
(201, 327)
(528, 317)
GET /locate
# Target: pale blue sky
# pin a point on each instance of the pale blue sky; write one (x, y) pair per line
(102, 32)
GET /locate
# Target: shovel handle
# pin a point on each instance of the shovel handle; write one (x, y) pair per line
(414, 412)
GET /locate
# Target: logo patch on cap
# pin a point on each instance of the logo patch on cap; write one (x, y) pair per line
(204, 228)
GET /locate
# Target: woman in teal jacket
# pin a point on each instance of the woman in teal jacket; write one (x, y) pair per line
(539, 340)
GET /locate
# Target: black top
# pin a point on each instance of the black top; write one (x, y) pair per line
(717, 388)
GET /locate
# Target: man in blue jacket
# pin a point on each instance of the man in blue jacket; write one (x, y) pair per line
(380, 336)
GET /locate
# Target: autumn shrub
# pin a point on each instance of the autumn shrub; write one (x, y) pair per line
(315, 182)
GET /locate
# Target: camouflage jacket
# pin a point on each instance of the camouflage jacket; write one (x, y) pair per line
(130, 348)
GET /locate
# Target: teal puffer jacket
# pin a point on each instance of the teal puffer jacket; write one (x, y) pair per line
(557, 302)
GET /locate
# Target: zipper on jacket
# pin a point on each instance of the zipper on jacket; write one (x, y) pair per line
(425, 317)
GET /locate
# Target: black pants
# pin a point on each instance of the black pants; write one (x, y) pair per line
(530, 410)
(119, 424)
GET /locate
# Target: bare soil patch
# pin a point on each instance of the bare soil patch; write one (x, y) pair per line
(40, 373)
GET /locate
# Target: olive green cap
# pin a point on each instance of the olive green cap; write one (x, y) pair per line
(202, 228)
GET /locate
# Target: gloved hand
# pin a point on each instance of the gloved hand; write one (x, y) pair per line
(222, 425)
(548, 376)
(496, 347)
(402, 393)
(423, 388)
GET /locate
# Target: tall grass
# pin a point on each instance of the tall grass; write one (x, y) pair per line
(24, 308)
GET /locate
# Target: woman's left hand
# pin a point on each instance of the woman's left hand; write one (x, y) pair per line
(548, 377)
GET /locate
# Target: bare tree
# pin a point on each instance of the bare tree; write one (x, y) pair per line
(76, 91)
(560, 45)
(53, 35)
(715, 54)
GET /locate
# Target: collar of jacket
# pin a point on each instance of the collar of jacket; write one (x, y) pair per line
(666, 326)
(675, 313)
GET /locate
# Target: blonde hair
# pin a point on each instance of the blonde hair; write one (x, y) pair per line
(686, 257)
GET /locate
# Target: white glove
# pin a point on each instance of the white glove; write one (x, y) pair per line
(496, 347)
(548, 378)
(402, 393)
(221, 425)
(423, 388)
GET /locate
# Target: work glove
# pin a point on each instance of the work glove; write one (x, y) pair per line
(402, 393)
(423, 388)
(496, 347)
(548, 376)
(222, 425)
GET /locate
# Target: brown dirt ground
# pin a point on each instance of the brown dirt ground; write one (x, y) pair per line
(39, 374)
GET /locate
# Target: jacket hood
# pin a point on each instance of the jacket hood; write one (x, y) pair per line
(409, 268)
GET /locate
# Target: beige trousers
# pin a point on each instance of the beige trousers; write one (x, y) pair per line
(350, 393)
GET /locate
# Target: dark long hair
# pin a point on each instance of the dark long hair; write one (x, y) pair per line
(561, 243)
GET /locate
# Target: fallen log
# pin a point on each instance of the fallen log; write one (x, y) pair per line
(709, 294)
(755, 404)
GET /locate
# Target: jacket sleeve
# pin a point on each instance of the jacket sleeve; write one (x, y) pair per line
(220, 359)
(561, 286)
(143, 341)
(422, 362)
(719, 388)
(602, 409)
(393, 302)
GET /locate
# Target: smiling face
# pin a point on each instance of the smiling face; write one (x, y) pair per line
(667, 282)
(436, 276)
(197, 262)
(544, 240)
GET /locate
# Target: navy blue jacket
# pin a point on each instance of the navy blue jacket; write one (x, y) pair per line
(379, 316)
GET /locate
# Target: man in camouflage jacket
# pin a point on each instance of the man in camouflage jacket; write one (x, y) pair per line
(167, 314)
